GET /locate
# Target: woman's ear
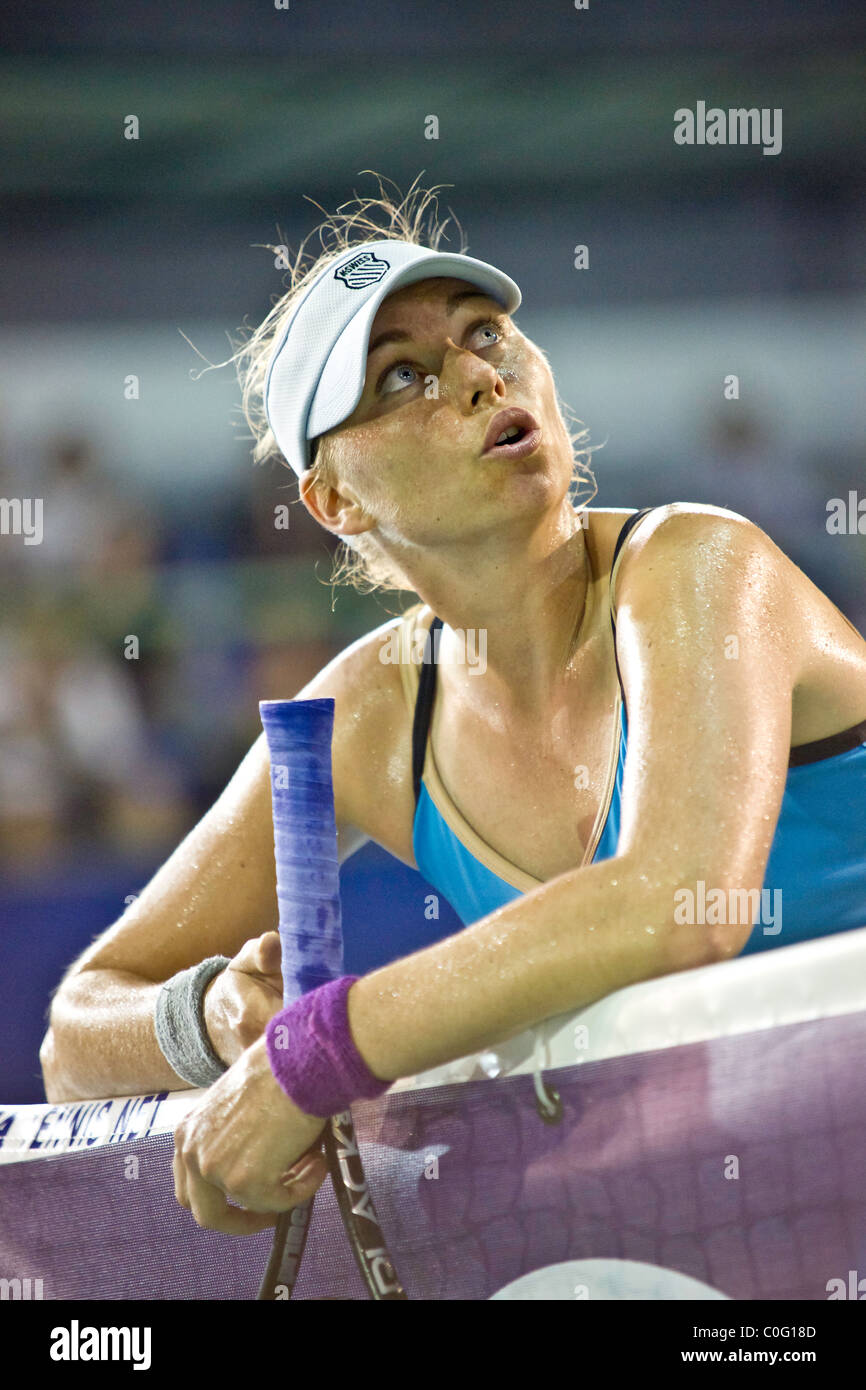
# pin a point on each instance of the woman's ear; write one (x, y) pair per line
(334, 507)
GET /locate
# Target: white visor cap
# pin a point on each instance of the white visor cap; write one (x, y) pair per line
(318, 365)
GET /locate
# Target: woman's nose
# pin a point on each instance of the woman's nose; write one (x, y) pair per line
(464, 377)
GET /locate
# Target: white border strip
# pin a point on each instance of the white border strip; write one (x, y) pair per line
(47, 1131)
(789, 984)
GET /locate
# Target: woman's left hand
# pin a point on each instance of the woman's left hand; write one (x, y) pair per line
(237, 1145)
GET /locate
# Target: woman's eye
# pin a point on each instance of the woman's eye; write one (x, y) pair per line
(400, 367)
(490, 328)
(399, 383)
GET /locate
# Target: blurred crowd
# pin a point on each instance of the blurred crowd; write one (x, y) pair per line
(138, 637)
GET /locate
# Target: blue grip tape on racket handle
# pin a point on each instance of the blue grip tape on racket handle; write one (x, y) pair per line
(299, 734)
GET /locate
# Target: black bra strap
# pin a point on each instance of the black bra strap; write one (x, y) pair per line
(423, 709)
(828, 747)
(627, 525)
(620, 542)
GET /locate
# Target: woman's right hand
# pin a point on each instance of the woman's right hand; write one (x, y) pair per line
(240, 1000)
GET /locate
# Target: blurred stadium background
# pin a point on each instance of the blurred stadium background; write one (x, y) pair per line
(556, 129)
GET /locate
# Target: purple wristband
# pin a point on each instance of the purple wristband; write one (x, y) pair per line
(313, 1055)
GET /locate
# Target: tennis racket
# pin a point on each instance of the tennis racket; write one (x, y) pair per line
(299, 734)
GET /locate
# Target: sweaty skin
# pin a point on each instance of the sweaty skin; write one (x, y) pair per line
(491, 545)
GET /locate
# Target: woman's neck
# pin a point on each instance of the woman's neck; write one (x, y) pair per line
(516, 626)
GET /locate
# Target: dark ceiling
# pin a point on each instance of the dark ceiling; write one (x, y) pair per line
(555, 127)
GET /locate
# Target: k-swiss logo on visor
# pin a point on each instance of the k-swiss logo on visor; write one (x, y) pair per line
(362, 270)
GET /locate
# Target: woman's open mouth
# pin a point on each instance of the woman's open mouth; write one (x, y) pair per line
(512, 433)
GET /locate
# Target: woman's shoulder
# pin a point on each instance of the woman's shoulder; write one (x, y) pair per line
(686, 524)
(609, 521)
(681, 524)
(684, 542)
(689, 543)
(733, 567)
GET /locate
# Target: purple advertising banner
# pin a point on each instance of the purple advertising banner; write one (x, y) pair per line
(738, 1162)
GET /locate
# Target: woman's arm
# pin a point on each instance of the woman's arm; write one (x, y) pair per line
(212, 891)
(215, 892)
(709, 659)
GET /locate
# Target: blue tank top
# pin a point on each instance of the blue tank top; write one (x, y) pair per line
(817, 858)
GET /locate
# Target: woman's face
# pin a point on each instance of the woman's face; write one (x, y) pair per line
(409, 455)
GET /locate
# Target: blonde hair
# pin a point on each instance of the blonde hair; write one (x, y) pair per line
(359, 560)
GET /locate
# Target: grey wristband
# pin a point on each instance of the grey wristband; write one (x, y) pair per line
(179, 1021)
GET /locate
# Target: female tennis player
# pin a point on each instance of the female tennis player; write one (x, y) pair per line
(624, 706)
